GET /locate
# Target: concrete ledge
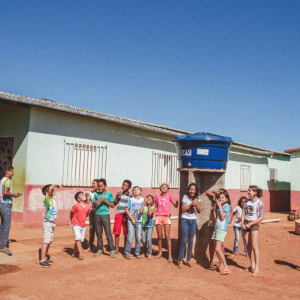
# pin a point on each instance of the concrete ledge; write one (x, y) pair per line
(200, 170)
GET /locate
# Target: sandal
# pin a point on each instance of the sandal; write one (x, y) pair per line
(80, 257)
(138, 256)
(180, 266)
(249, 269)
(149, 256)
(88, 250)
(158, 256)
(127, 256)
(112, 255)
(170, 260)
(255, 274)
(97, 254)
(6, 251)
(189, 264)
(225, 272)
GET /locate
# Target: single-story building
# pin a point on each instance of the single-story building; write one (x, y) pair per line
(295, 176)
(49, 142)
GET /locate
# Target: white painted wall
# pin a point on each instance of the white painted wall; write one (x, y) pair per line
(259, 165)
(129, 149)
(295, 171)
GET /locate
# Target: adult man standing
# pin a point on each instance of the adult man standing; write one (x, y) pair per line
(6, 200)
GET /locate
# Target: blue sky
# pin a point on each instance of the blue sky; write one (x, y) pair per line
(224, 67)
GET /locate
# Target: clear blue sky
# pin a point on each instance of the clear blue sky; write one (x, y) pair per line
(225, 67)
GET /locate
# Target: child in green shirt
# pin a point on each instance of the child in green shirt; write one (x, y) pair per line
(148, 211)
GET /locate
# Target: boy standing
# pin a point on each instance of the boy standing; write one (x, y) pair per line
(121, 217)
(78, 215)
(48, 223)
(6, 200)
(103, 201)
(90, 201)
(132, 210)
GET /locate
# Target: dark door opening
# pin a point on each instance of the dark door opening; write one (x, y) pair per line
(6, 153)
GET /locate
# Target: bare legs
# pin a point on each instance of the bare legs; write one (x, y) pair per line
(160, 237)
(77, 249)
(251, 239)
(221, 256)
(44, 251)
(167, 229)
(212, 252)
(117, 241)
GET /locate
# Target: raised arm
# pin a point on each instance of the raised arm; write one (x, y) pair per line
(223, 214)
(50, 191)
(211, 194)
(142, 207)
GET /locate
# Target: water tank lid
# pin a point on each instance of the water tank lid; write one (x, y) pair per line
(203, 136)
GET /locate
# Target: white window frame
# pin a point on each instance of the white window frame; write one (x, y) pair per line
(83, 162)
(245, 185)
(164, 170)
(273, 183)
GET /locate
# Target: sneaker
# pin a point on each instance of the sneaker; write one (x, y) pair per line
(44, 264)
(50, 262)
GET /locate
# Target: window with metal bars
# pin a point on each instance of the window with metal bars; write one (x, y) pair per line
(164, 170)
(245, 177)
(273, 180)
(83, 162)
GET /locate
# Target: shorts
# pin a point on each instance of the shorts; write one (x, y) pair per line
(79, 233)
(48, 231)
(162, 220)
(219, 235)
(254, 227)
(119, 221)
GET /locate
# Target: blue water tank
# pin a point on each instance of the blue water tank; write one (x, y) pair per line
(203, 150)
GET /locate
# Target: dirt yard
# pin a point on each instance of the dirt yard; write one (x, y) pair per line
(106, 278)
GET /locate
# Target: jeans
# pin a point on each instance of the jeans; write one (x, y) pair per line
(92, 229)
(105, 222)
(237, 231)
(5, 210)
(147, 239)
(188, 229)
(133, 229)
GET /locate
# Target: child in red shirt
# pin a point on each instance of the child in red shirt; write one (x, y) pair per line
(78, 215)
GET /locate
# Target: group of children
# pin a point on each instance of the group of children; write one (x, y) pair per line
(134, 214)
(138, 216)
(246, 219)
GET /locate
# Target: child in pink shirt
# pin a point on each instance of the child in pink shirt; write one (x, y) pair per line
(162, 219)
(78, 215)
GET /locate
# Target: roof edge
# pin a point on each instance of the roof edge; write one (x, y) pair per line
(292, 150)
(129, 122)
(86, 112)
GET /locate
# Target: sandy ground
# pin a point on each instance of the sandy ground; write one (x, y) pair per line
(106, 278)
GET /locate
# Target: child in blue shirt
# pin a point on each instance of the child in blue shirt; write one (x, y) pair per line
(132, 210)
(221, 215)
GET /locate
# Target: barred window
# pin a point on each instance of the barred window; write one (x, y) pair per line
(245, 177)
(83, 162)
(273, 180)
(164, 170)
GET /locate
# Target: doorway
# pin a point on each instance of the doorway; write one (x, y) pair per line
(6, 153)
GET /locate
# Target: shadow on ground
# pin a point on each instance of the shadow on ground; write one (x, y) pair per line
(285, 263)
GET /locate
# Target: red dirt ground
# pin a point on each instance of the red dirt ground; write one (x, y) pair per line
(105, 278)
